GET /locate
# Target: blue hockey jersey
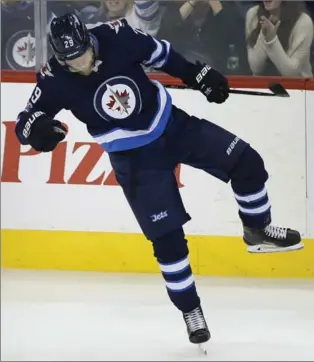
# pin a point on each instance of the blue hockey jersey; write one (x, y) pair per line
(121, 107)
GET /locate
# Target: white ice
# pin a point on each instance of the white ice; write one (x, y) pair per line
(68, 316)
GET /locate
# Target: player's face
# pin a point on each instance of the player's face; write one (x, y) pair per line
(271, 4)
(82, 64)
(115, 6)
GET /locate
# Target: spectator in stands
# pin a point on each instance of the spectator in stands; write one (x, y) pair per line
(142, 14)
(279, 38)
(310, 10)
(210, 30)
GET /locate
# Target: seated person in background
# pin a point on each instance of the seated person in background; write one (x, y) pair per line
(208, 30)
(310, 10)
(229, 47)
(141, 14)
(279, 38)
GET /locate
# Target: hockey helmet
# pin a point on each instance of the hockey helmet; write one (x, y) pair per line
(68, 37)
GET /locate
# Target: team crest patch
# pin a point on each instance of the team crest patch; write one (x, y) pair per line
(117, 98)
(21, 51)
(115, 25)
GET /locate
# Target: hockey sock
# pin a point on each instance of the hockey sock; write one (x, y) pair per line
(171, 252)
(248, 184)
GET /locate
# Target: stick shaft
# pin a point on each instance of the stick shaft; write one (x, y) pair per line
(251, 93)
(233, 91)
(281, 93)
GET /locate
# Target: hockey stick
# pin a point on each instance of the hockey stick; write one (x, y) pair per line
(276, 88)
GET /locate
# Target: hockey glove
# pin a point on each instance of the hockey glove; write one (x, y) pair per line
(40, 131)
(211, 83)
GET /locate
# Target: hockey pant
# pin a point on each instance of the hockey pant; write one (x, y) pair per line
(147, 177)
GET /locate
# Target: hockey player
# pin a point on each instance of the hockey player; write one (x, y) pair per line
(98, 76)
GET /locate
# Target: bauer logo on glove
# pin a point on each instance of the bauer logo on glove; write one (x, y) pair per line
(30, 121)
(202, 73)
(41, 132)
(211, 83)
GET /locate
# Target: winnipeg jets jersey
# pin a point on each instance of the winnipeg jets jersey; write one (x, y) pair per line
(121, 107)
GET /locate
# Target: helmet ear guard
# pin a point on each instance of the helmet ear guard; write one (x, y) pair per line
(54, 50)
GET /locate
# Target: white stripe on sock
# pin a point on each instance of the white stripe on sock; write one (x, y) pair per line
(252, 197)
(175, 267)
(255, 210)
(180, 285)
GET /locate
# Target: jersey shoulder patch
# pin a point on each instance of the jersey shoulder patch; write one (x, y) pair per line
(110, 25)
(48, 70)
(109, 32)
(116, 25)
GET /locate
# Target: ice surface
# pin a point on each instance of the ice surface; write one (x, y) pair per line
(69, 316)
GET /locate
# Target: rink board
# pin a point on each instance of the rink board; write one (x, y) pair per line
(117, 252)
(64, 210)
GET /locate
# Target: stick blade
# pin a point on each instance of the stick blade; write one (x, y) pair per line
(278, 90)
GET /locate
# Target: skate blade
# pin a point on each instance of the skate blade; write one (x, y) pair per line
(269, 248)
(202, 348)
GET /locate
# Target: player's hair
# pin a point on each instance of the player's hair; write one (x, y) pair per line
(290, 11)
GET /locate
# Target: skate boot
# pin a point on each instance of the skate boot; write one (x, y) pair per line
(196, 326)
(272, 239)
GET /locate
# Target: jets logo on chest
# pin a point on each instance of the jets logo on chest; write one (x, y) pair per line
(117, 98)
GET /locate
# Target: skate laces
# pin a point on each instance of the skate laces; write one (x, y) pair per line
(195, 320)
(276, 232)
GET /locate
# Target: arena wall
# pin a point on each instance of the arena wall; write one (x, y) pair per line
(64, 210)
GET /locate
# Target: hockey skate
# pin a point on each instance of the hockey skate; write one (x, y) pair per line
(197, 328)
(272, 239)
